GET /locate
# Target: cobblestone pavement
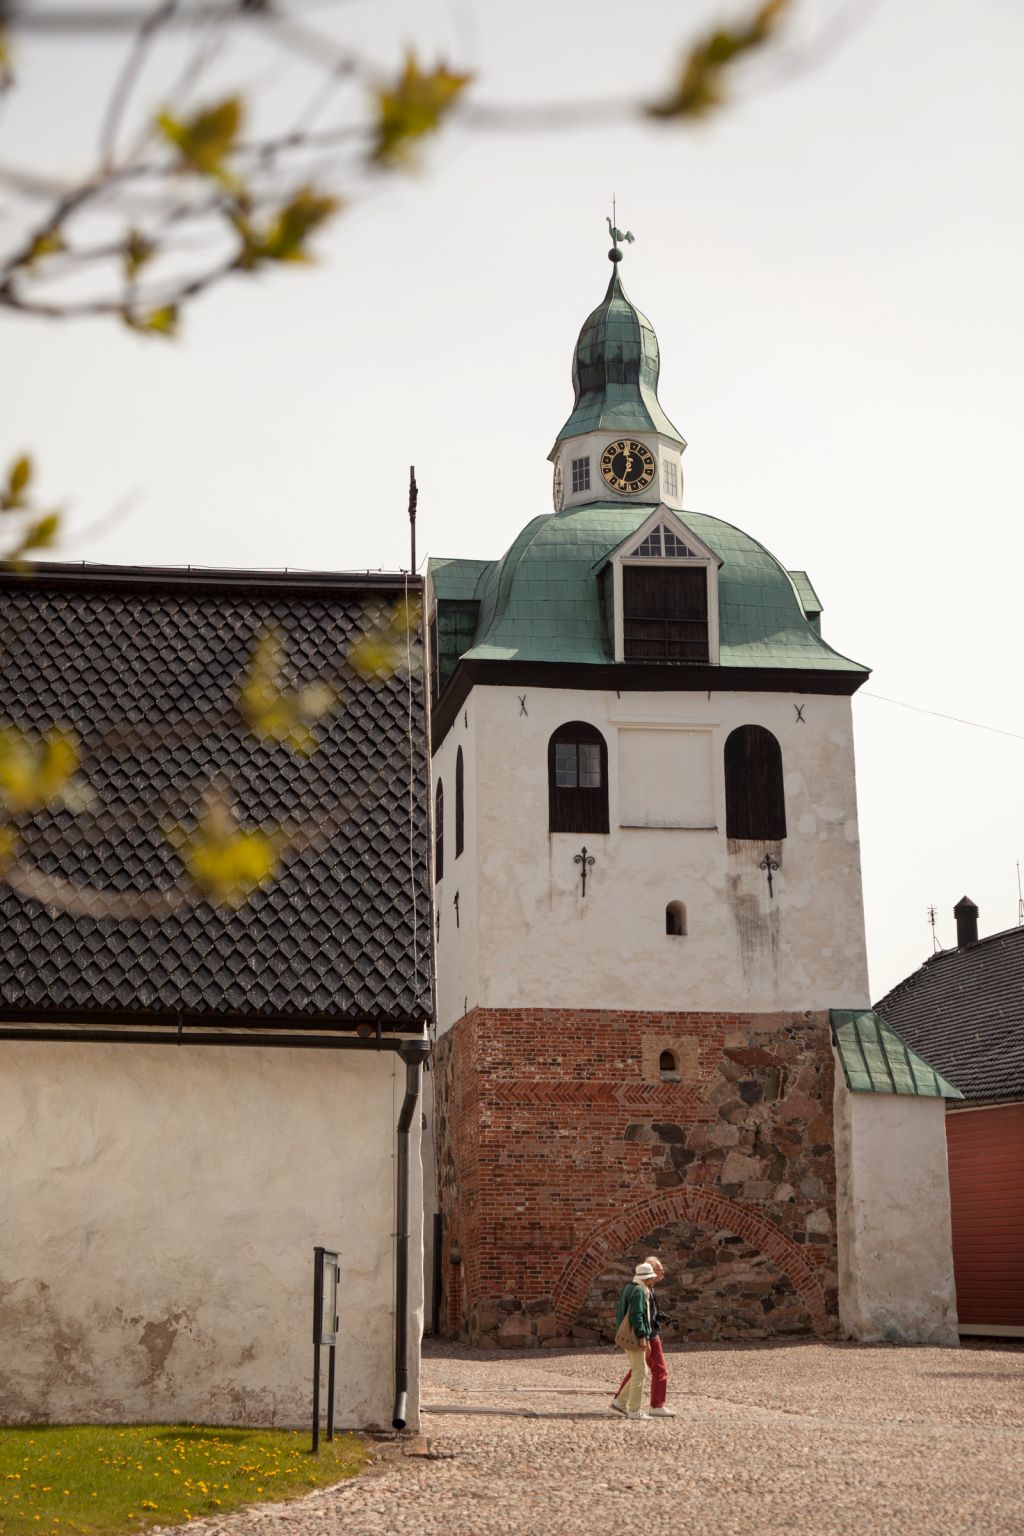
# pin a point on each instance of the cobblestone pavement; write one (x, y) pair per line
(808, 1439)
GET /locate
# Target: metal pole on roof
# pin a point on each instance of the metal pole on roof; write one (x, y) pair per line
(413, 498)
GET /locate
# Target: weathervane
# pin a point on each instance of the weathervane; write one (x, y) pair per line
(617, 234)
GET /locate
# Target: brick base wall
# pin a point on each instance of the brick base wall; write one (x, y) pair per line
(564, 1155)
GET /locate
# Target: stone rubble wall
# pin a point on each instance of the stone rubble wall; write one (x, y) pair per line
(564, 1154)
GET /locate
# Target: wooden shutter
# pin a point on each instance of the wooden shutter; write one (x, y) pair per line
(665, 613)
(755, 801)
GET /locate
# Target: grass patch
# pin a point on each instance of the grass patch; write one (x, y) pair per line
(88, 1478)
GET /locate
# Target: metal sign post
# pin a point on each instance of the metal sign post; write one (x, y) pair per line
(326, 1277)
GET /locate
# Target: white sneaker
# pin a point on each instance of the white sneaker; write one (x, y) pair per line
(638, 1415)
(663, 1413)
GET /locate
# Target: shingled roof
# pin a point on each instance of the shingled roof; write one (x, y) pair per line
(964, 1011)
(145, 667)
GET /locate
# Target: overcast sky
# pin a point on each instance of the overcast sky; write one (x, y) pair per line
(833, 267)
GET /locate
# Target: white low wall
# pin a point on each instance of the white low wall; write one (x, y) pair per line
(158, 1212)
(895, 1241)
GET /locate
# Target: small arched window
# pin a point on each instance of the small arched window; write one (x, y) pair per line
(439, 831)
(460, 803)
(675, 920)
(667, 1064)
(577, 779)
(755, 802)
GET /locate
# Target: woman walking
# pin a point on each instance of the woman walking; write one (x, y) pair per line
(655, 1356)
(633, 1335)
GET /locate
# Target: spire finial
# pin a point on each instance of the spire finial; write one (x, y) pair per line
(617, 234)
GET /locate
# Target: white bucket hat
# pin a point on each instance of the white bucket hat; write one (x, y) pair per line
(644, 1271)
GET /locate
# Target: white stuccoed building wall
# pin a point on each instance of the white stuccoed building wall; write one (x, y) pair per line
(159, 1207)
(528, 938)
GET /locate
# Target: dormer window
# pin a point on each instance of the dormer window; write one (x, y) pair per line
(665, 595)
(664, 613)
(581, 474)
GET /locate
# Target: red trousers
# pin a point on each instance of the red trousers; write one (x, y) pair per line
(659, 1376)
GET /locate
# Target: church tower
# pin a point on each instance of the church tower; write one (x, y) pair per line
(654, 1022)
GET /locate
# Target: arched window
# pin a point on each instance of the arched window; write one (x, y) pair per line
(460, 804)
(667, 1064)
(675, 920)
(755, 804)
(439, 831)
(577, 779)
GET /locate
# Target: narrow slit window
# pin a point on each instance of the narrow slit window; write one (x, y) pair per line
(439, 831)
(460, 803)
(668, 1066)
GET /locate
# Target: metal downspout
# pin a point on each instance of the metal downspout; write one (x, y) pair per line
(413, 1053)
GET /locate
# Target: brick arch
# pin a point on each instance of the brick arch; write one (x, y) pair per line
(697, 1205)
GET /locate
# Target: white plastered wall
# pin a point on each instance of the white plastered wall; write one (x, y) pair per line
(527, 936)
(895, 1253)
(158, 1210)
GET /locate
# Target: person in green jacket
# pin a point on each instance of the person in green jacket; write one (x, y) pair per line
(635, 1302)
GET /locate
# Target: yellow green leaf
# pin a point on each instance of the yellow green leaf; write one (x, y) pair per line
(160, 322)
(389, 644)
(701, 83)
(45, 244)
(42, 533)
(35, 771)
(226, 861)
(415, 105)
(276, 713)
(205, 140)
(20, 475)
(285, 238)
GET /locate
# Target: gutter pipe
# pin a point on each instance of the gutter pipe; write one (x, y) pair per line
(413, 1053)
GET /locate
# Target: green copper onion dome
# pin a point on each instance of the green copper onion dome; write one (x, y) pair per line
(615, 371)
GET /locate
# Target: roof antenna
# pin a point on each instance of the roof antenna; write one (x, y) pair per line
(936, 946)
(1020, 900)
(413, 498)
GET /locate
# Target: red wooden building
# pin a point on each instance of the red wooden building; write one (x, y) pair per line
(964, 1010)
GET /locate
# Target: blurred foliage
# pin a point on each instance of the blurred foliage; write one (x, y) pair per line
(701, 83)
(414, 105)
(276, 713)
(35, 771)
(226, 861)
(206, 177)
(388, 645)
(28, 529)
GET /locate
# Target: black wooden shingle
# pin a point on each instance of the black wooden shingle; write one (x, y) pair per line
(145, 668)
(964, 1012)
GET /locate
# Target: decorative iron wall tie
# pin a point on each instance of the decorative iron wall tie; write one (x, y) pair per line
(585, 861)
(455, 904)
(771, 865)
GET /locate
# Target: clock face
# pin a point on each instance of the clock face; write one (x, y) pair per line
(628, 466)
(558, 488)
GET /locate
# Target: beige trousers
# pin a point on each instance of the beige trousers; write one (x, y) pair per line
(637, 1381)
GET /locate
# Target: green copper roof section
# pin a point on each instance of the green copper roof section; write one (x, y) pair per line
(810, 602)
(543, 602)
(456, 580)
(876, 1060)
(615, 372)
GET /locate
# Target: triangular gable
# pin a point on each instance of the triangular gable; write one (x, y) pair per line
(662, 536)
(877, 1060)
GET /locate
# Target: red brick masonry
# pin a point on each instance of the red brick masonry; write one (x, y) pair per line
(564, 1153)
